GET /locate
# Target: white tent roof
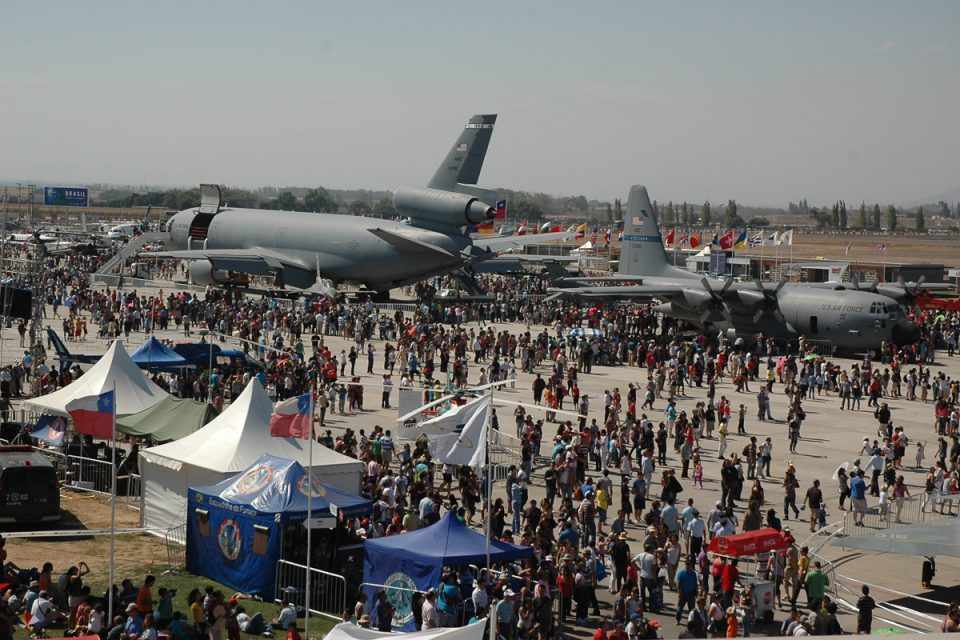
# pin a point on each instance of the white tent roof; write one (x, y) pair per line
(115, 370)
(237, 437)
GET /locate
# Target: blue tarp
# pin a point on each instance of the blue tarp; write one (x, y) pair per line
(235, 527)
(153, 354)
(415, 560)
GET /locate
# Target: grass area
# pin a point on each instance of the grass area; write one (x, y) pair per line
(185, 582)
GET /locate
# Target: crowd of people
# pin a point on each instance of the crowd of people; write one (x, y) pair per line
(614, 467)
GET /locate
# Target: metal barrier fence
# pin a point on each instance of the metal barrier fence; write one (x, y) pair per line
(925, 507)
(328, 591)
(176, 541)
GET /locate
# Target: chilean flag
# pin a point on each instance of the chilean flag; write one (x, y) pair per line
(292, 418)
(501, 210)
(94, 415)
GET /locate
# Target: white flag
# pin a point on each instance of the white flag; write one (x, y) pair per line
(469, 447)
(452, 420)
(786, 238)
(772, 240)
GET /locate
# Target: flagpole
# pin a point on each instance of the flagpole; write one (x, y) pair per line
(489, 478)
(113, 504)
(306, 615)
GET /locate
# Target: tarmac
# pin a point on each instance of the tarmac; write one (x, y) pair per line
(829, 438)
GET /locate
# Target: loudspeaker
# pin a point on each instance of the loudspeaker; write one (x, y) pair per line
(16, 303)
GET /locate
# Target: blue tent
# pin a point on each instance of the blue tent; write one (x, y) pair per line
(153, 354)
(235, 527)
(415, 560)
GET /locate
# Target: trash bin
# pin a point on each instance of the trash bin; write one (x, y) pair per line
(763, 598)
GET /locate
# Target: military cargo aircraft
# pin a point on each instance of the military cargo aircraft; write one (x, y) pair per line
(849, 319)
(320, 251)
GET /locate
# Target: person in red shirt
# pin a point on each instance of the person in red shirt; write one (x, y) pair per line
(565, 585)
(728, 581)
(603, 630)
(617, 633)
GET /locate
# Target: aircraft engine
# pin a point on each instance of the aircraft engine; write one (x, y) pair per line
(442, 207)
(203, 273)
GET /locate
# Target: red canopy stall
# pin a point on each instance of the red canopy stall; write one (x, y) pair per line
(750, 543)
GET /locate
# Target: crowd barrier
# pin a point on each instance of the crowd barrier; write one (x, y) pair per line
(328, 591)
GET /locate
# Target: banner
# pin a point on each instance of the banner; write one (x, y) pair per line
(65, 196)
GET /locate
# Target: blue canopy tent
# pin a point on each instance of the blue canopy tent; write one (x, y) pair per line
(235, 527)
(153, 354)
(415, 560)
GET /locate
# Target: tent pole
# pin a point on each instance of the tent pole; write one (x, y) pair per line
(113, 506)
(306, 614)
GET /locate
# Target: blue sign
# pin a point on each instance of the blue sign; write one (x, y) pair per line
(65, 196)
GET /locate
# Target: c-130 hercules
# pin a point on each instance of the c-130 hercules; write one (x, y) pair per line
(319, 251)
(849, 319)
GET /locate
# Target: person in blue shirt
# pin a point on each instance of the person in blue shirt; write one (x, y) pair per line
(687, 584)
(569, 534)
(858, 497)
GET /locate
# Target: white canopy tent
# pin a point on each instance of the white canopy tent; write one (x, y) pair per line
(227, 445)
(115, 370)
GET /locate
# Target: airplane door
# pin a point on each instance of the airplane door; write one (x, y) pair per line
(814, 325)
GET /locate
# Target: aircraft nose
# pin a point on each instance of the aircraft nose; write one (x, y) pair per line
(906, 332)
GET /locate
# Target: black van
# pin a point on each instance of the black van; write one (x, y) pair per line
(29, 491)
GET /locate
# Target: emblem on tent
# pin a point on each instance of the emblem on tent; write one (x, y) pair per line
(228, 539)
(253, 480)
(401, 596)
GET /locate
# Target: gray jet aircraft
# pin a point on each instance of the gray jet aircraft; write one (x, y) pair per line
(319, 251)
(849, 319)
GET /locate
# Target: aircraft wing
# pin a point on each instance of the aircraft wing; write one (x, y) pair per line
(504, 243)
(634, 292)
(256, 260)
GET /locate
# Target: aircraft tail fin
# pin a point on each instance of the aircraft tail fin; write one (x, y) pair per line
(464, 161)
(641, 252)
(58, 347)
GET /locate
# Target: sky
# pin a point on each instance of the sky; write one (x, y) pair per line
(761, 101)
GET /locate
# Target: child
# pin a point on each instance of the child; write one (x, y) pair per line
(697, 471)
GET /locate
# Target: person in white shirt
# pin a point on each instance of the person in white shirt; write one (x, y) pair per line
(42, 612)
(429, 613)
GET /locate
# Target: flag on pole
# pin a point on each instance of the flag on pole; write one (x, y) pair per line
(292, 418)
(756, 240)
(49, 429)
(606, 235)
(772, 240)
(93, 415)
(741, 241)
(695, 240)
(715, 241)
(522, 229)
(684, 237)
(582, 231)
(670, 237)
(501, 210)
(469, 446)
(452, 420)
(786, 238)
(620, 237)
(726, 240)
(846, 249)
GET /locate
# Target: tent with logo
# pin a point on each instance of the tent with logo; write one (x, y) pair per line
(230, 443)
(235, 527)
(750, 543)
(115, 370)
(153, 354)
(415, 560)
(170, 419)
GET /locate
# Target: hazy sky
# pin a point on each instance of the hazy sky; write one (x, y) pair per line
(760, 101)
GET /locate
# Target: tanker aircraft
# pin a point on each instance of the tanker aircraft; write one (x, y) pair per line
(317, 252)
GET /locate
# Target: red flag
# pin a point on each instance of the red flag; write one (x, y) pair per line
(292, 418)
(670, 236)
(694, 240)
(726, 240)
(93, 415)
